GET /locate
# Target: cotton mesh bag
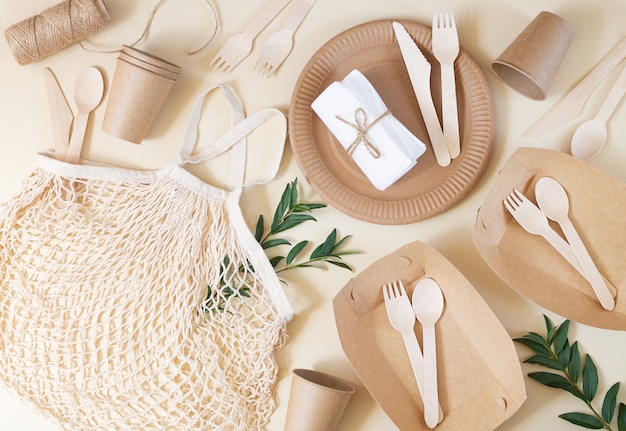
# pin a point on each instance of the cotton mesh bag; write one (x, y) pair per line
(139, 300)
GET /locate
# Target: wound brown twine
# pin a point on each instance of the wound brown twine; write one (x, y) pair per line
(56, 28)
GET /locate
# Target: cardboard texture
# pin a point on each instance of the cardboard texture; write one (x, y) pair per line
(479, 373)
(316, 401)
(528, 264)
(141, 83)
(530, 63)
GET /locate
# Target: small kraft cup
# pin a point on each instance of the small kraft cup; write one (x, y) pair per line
(530, 63)
(316, 401)
(140, 86)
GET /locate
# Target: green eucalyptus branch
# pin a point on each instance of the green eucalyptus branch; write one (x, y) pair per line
(554, 351)
(289, 213)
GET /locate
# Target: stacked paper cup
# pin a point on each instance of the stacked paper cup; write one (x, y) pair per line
(141, 84)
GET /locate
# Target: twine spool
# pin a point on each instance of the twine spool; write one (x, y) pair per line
(55, 29)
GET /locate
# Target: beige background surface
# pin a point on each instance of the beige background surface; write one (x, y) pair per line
(485, 27)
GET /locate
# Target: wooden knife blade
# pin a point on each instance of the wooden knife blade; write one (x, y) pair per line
(419, 73)
(61, 114)
(571, 105)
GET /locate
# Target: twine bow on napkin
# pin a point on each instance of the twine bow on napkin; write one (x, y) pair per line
(361, 127)
(383, 148)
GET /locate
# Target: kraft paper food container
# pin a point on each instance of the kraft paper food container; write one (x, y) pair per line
(530, 63)
(471, 341)
(316, 401)
(528, 264)
(140, 86)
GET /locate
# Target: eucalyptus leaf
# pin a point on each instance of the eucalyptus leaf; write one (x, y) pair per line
(583, 420)
(538, 338)
(565, 355)
(293, 201)
(621, 417)
(274, 243)
(548, 323)
(573, 368)
(307, 207)
(590, 378)
(609, 403)
(536, 347)
(341, 265)
(295, 251)
(275, 261)
(329, 243)
(560, 337)
(546, 362)
(260, 229)
(556, 381)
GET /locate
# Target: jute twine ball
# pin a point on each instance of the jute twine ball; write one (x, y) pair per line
(56, 28)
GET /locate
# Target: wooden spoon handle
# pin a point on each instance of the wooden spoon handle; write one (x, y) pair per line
(614, 97)
(588, 266)
(431, 389)
(78, 136)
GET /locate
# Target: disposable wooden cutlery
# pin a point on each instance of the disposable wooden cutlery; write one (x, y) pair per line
(88, 93)
(419, 69)
(279, 44)
(553, 201)
(571, 106)
(535, 222)
(446, 49)
(428, 306)
(402, 318)
(239, 45)
(590, 136)
(61, 114)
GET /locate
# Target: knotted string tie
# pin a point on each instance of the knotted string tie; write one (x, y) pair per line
(361, 127)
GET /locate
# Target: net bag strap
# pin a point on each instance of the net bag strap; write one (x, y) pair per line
(234, 138)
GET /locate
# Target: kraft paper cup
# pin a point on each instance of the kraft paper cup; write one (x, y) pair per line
(316, 401)
(530, 63)
(140, 85)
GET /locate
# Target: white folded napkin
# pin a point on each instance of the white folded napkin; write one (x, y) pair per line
(356, 115)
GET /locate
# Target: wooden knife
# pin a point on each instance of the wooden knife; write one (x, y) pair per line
(419, 74)
(61, 115)
(571, 106)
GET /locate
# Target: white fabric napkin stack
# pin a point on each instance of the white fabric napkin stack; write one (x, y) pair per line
(356, 115)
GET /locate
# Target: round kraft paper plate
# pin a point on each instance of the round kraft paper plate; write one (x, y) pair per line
(426, 190)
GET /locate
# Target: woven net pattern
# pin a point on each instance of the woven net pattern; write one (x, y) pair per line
(133, 306)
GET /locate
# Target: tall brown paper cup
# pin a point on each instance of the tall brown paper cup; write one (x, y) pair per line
(138, 91)
(530, 63)
(316, 401)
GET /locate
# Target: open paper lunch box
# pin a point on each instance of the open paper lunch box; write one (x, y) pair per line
(528, 264)
(479, 373)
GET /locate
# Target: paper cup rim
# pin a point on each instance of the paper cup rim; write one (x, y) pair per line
(538, 93)
(321, 380)
(167, 77)
(149, 59)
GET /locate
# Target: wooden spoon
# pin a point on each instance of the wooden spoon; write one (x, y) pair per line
(88, 93)
(428, 305)
(590, 137)
(553, 201)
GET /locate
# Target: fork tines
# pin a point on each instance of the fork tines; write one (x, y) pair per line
(444, 20)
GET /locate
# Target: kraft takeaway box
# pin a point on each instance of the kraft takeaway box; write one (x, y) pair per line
(528, 264)
(479, 373)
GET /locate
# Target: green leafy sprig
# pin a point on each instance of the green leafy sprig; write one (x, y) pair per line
(289, 213)
(579, 378)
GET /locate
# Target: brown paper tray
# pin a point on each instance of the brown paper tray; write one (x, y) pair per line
(529, 265)
(480, 378)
